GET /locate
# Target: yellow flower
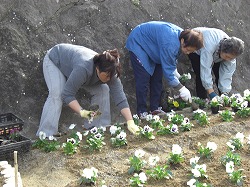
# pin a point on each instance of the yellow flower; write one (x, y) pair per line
(176, 104)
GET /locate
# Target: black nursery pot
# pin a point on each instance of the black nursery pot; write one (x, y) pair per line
(235, 109)
(215, 109)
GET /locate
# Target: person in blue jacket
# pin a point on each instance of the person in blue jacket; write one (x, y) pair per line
(154, 48)
(218, 55)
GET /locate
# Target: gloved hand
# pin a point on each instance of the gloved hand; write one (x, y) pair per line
(132, 127)
(212, 95)
(86, 113)
(185, 94)
(176, 74)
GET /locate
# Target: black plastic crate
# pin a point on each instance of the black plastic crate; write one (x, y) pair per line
(22, 145)
(10, 122)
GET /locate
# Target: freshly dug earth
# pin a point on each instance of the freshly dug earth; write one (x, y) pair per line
(54, 169)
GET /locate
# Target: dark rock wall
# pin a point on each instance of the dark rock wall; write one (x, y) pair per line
(30, 27)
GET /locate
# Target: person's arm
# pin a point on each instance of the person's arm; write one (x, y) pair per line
(226, 72)
(75, 106)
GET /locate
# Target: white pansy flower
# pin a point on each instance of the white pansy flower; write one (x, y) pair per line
(153, 160)
(156, 118)
(174, 128)
(149, 117)
(94, 130)
(196, 172)
(87, 173)
(194, 160)
(230, 167)
(139, 153)
(79, 135)
(142, 177)
(52, 138)
(136, 116)
(121, 136)
(147, 128)
(71, 140)
(176, 149)
(42, 135)
(212, 146)
(191, 183)
(113, 129)
(240, 136)
(230, 145)
(244, 104)
(246, 93)
(72, 126)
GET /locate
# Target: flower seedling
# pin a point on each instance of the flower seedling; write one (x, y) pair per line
(230, 156)
(138, 180)
(159, 172)
(208, 150)
(227, 115)
(235, 176)
(47, 145)
(147, 132)
(89, 176)
(136, 163)
(169, 129)
(70, 147)
(201, 117)
(186, 125)
(199, 171)
(119, 140)
(185, 77)
(236, 143)
(176, 156)
(195, 183)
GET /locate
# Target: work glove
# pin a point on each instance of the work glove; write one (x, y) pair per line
(86, 113)
(176, 74)
(185, 94)
(132, 127)
(212, 95)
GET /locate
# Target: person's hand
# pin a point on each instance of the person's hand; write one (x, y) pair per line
(132, 127)
(177, 74)
(86, 113)
(212, 95)
(185, 94)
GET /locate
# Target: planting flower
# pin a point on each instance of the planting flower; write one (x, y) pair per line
(156, 122)
(119, 140)
(89, 176)
(176, 155)
(70, 147)
(193, 161)
(138, 180)
(185, 77)
(200, 102)
(243, 110)
(95, 140)
(227, 115)
(177, 119)
(199, 171)
(136, 119)
(47, 145)
(147, 132)
(195, 183)
(208, 150)
(152, 161)
(201, 117)
(246, 95)
(230, 156)
(186, 125)
(159, 172)
(225, 100)
(169, 129)
(236, 142)
(115, 129)
(215, 102)
(136, 163)
(235, 176)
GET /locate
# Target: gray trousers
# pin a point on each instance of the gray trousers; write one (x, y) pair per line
(55, 81)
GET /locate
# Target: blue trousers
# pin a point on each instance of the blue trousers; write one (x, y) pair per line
(145, 83)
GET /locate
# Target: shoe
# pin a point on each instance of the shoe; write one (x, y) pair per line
(158, 112)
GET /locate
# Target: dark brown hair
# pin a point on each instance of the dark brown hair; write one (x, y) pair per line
(108, 61)
(192, 38)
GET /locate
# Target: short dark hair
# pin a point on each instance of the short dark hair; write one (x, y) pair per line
(192, 38)
(232, 45)
(108, 61)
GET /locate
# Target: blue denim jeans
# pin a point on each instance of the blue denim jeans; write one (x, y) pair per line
(145, 83)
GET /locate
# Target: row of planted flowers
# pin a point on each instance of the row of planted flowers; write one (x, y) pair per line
(151, 127)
